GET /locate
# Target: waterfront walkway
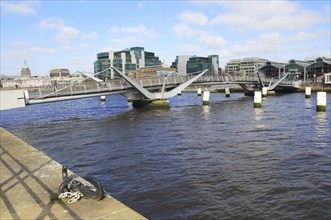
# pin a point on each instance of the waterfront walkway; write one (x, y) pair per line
(29, 184)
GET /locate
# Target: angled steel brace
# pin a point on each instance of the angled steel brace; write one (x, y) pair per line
(260, 80)
(158, 95)
(271, 87)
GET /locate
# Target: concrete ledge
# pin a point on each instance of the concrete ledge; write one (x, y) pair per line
(11, 99)
(29, 187)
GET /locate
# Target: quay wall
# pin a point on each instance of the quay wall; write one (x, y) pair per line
(29, 184)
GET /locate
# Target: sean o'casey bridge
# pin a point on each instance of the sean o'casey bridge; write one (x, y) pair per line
(144, 91)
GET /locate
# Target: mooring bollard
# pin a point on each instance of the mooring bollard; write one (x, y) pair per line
(264, 92)
(308, 92)
(321, 102)
(103, 98)
(257, 99)
(199, 92)
(205, 98)
(227, 92)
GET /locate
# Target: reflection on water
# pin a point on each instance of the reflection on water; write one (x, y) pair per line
(258, 114)
(321, 127)
(227, 160)
(308, 102)
(206, 109)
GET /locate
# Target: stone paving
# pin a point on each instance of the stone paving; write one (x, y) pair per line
(29, 182)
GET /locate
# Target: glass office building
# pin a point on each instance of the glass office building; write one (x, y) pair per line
(196, 64)
(127, 59)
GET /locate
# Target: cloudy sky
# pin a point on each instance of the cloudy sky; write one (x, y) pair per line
(69, 34)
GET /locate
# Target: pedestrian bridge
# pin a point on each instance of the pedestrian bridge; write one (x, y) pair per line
(153, 88)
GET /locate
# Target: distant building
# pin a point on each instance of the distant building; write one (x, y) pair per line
(308, 70)
(320, 66)
(327, 78)
(245, 66)
(128, 59)
(25, 72)
(272, 69)
(193, 64)
(59, 73)
(180, 64)
(150, 72)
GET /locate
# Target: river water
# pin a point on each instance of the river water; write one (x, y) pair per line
(222, 161)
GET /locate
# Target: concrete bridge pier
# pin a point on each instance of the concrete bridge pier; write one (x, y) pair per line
(227, 92)
(149, 103)
(205, 98)
(264, 92)
(199, 91)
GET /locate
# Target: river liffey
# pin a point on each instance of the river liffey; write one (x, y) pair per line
(222, 161)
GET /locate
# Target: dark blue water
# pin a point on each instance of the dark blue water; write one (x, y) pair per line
(223, 161)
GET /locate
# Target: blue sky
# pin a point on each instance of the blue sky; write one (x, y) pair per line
(69, 34)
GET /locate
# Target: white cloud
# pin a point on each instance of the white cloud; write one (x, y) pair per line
(189, 49)
(265, 43)
(193, 17)
(21, 50)
(18, 44)
(23, 7)
(42, 50)
(140, 5)
(139, 30)
(75, 61)
(205, 38)
(304, 36)
(75, 47)
(90, 35)
(65, 33)
(24, 46)
(266, 15)
(124, 42)
(183, 30)
(212, 41)
(275, 42)
(15, 54)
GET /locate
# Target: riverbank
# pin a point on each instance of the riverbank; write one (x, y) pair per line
(29, 187)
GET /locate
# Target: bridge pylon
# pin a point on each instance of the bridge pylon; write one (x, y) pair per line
(143, 97)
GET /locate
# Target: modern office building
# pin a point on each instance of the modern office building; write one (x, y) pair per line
(245, 66)
(127, 59)
(59, 72)
(193, 64)
(180, 64)
(25, 72)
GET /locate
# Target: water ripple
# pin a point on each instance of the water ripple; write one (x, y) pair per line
(223, 161)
